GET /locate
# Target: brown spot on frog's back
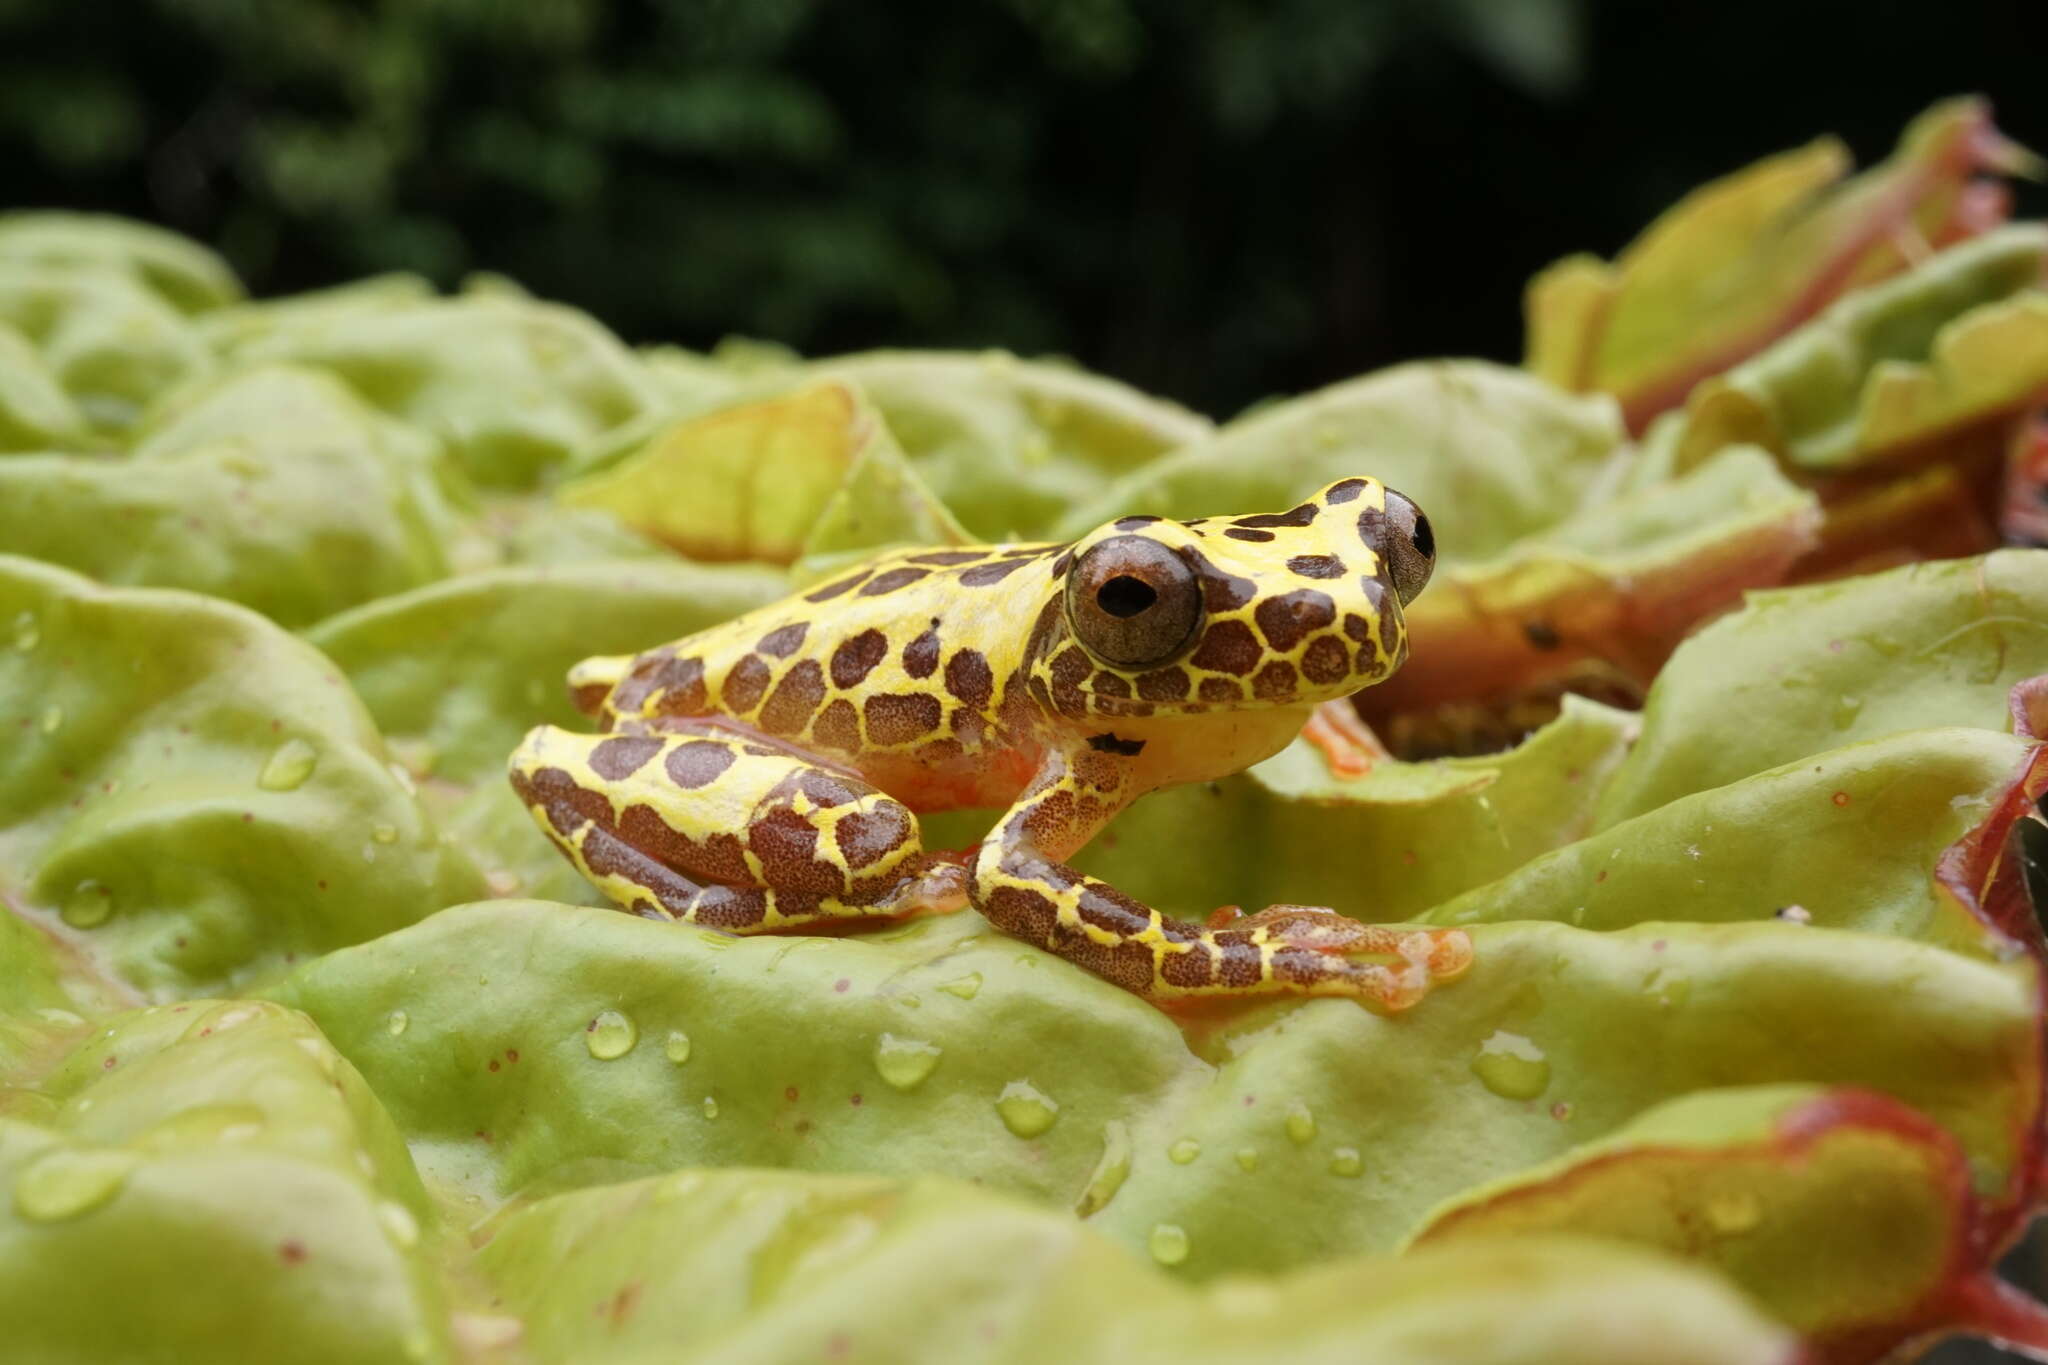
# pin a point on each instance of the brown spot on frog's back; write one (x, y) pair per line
(983, 575)
(921, 656)
(856, 657)
(1274, 682)
(838, 727)
(969, 678)
(697, 763)
(794, 700)
(745, 684)
(1317, 566)
(895, 718)
(680, 681)
(783, 641)
(889, 580)
(1164, 684)
(621, 756)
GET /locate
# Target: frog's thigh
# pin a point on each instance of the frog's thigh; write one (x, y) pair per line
(716, 831)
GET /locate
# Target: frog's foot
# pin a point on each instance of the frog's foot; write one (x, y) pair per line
(716, 831)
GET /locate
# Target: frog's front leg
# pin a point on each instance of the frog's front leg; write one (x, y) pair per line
(712, 829)
(1022, 887)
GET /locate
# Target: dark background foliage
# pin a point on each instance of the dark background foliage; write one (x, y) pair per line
(1215, 199)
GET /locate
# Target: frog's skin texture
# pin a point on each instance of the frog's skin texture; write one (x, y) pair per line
(763, 775)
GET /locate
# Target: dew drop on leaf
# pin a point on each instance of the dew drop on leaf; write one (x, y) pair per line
(677, 1046)
(398, 1221)
(88, 905)
(610, 1036)
(710, 1107)
(967, 987)
(1301, 1124)
(1511, 1066)
(1168, 1243)
(1110, 1172)
(1345, 1161)
(905, 1062)
(289, 766)
(395, 1024)
(1026, 1110)
(1247, 1159)
(67, 1182)
(1184, 1151)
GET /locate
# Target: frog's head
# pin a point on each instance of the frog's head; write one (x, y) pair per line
(1275, 610)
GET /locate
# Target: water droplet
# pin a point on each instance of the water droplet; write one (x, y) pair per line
(1110, 1172)
(89, 904)
(1346, 1161)
(68, 1181)
(1026, 1110)
(1846, 711)
(396, 1022)
(905, 1062)
(289, 767)
(710, 1107)
(1184, 1151)
(1247, 1159)
(1301, 1124)
(611, 1036)
(398, 1221)
(1168, 1243)
(1511, 1066)
(966, 987)
(53, 719)
(384, 834)
(1734, 1213)
(677, 1046)
(27, 635)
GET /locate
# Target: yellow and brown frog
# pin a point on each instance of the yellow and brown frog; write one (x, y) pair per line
(763, 775)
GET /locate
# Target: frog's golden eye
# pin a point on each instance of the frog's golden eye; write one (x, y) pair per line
(1410, 547)
(1133, 602)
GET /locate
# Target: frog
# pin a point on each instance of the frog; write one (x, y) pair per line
(765, 775)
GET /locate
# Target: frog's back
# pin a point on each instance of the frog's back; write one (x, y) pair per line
(906, 669)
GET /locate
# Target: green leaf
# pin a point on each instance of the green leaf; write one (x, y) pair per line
(1310, 1128)
(35, 412)
(179, 270)
(1801, 670)
(193, 792)
(1961, 339)
(1492, 453)
(762, 1266)
(1382, 847)
(1844, 1214)
(1010, 445)
(513, 388)
(228, 1137)
(815, 471)
(275, 488)
(111, 342)
(1849, 835)
(1742, 261)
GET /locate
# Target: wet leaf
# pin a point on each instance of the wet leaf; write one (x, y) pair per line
(755, 1265)
(193, 792)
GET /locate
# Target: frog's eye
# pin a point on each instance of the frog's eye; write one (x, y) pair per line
(1132, 601)
(1410, 547)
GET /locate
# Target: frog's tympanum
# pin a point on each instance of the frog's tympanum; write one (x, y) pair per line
(762, 775)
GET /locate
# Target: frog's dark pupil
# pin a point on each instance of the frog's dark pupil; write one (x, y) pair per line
(1424, 538)
(1125, 596)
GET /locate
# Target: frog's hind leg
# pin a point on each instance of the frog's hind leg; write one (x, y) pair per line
(712, 829)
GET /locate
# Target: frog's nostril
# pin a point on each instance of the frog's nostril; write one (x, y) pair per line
(1125, 596)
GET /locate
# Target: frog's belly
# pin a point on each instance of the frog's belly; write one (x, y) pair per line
(947, 778)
